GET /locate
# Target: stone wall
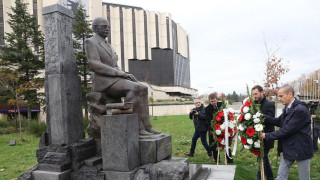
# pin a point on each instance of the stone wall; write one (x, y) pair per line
(165, 110)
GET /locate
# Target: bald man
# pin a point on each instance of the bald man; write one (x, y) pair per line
(294, 133)
(109, 79)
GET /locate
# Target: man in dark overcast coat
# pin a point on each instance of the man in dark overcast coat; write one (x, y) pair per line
(295, 134)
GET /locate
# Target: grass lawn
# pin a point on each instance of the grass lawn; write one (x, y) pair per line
(15, 160)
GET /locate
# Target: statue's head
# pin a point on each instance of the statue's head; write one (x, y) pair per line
(100, 26)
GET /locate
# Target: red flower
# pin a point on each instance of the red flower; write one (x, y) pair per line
(220, 145)
(219, 139)
(247, 104)
(231, 118)
(255, 152)
(243, 140)
(250, 131)
(217, 126)
(241, 117)
(220, 113)
(230, 131)
(218, 118)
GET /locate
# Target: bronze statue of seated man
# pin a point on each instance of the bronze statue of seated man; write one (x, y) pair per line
(109, 79)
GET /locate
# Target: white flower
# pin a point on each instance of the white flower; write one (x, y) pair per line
(246, 109)
(246, 147)
(231, 124)
(247, 116)
(222, 142)
(256, 120)
(254, 116)
(240, 127)
(249, 141)
(218, 132)
(222, 126)
(257, 144)
(231, 110)
(258, 114)
(258, 127)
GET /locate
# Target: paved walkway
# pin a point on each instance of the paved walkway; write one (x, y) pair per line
(221, 172)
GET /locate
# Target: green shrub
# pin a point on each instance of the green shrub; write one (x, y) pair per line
(36, 128)
(7, 130)
(6, 123)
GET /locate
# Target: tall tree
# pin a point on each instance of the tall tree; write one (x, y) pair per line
(82, 31)
(235, 97)
(23, 54)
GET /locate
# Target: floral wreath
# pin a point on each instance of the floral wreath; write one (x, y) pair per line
(219, 125)
(250, 125)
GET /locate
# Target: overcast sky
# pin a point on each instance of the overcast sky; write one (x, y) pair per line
(227, 38)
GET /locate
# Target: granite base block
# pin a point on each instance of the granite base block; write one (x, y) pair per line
(47, 175)
(155, 150)
(54, 167)
(120, 142)
(118, 175)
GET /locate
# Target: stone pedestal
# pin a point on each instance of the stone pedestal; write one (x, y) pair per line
(155, 150)
(62, 84)
(120, 142)
(47, 175)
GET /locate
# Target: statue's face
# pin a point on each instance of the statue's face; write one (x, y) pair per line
(103, 28)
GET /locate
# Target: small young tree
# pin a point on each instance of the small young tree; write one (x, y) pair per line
(82, 31)
(9, 79)
(23, 54)
(274, 70)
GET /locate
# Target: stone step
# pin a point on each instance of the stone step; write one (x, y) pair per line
(198, 172)
(221, 172)
(93, 161)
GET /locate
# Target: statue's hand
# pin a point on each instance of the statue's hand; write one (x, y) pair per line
(132, 78)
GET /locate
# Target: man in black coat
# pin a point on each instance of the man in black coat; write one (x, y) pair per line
(295, 134)
(201, 126)
(268, 108)
(210, 110)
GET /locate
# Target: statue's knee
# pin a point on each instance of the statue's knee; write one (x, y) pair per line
(136, 89)
(144, 89)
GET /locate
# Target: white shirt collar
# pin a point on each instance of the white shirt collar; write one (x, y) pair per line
(289, 106)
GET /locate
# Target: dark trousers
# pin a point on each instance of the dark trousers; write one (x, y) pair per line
(203, 137)
(213, 145)
(267, 166)
(316, 136)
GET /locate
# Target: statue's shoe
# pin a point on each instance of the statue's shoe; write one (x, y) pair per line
(153, 131)
(144, 133)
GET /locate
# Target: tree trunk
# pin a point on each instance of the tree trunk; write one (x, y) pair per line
(19, 118)
(29, 113)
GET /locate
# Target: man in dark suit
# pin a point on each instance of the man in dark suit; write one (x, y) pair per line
(295, 134)
(109, 79)
(268, 108)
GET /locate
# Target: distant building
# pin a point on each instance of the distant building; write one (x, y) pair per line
(150, 45)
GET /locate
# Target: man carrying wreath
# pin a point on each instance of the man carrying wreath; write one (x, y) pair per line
(294, 132)
(267, 108)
